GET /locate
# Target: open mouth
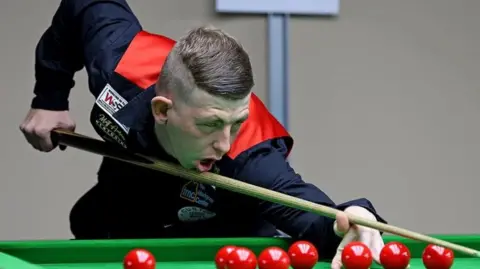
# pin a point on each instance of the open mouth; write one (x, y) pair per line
(205, 165)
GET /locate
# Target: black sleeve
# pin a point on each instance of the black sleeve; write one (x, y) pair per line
(266, 166)
(79, 30)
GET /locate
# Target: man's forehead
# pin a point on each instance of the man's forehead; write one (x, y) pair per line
(205, 101)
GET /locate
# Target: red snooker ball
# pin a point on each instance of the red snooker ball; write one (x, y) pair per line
(356, 255)
(241, 258)
(395, 255)
(303, 255)
(437, 257)
(222, 255)
(273, 258)
(139, 259)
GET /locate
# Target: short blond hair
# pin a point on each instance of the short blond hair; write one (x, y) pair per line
(209, 59)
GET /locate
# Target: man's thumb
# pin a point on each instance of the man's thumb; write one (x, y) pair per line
(342, 224)
(65, 126)
(55, 141)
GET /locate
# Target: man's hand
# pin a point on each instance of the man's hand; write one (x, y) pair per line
(39, 124)
(352, 232)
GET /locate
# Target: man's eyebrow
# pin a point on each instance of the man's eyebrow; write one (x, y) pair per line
(216, 118)
(209, 118)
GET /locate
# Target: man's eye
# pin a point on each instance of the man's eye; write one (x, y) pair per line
(211, 124)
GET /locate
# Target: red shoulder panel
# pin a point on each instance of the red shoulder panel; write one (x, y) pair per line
(144, 58)
(260, 126)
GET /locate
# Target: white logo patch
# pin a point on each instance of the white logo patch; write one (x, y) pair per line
(110, 101)
(196, 193)
(193, 213)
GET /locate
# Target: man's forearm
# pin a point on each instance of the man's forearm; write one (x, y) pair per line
(58, 56)
(79, 30)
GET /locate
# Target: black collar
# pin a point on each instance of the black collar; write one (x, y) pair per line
(138, 112)
(137, 115)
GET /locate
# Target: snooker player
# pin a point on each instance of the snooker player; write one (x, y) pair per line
(188, 101)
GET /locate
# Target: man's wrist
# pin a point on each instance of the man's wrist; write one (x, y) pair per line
(51, 95)
(40, 102)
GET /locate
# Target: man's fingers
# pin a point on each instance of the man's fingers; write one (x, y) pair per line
(336, 264)
(43, 139)
(341, 224)
(33, 142)
(28, 133)
(369, 237)
(67, 126)
(366, 238)
(55, 141)
(46, 145)
(377, 246)
(349, 237)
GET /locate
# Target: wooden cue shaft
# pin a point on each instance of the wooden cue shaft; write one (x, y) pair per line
(96, 146)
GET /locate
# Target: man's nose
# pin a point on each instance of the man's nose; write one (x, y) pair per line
(222, 145)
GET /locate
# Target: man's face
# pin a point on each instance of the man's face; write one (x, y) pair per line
(200, 128)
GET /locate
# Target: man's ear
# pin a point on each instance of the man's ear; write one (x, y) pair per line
(160, 107)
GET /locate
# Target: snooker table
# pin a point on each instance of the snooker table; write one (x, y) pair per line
(175, 253)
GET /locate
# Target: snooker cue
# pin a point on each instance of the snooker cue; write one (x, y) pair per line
(82, 142)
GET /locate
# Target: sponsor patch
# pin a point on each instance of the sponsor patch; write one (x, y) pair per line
(196, 193)
(111, 101)
(111, 130)
(193, 213)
